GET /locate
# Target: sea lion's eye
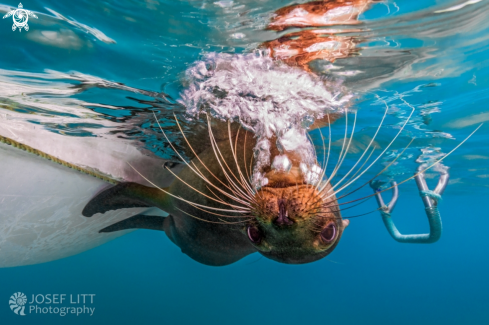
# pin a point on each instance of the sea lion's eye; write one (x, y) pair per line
(254, 234)
(328, 233)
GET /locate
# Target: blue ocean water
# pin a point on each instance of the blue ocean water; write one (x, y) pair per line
(369, 279)
(434, 59)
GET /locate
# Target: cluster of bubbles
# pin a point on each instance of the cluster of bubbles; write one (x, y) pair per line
(267, 97)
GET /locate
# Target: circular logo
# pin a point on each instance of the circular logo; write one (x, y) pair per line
(17, 303)
(20, 18)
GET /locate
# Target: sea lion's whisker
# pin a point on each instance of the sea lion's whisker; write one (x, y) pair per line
(168, 140)
(325, 216)
(235, 188)
(234, 149)
(378, 174)
(341, 153)
(349, 144)
(219, 223)
(351, 217)
(183, 160)
(342, 149)
(244, 156)
(327, 159)
(364, 163)
(329, 146)
(363, 154)
(216, 196)
(381, 172)
(326, 205)
(318, 226)
(310, 197)
(246, 168)
(243, 179)
(203, 194)
(318, 198)
(198, 158)
(244, 210)
(314, 229)
(335, 207)
(352, 206)
(312, 142)
(232, 223)
(419, 172)
(363, 214)
(386, 148)
(324, 159)
(216, 150)
(315, 208)
(234, 196)
(210, 190)
(251, 164)
(217, 214)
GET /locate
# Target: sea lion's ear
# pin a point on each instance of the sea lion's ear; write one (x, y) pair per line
(125, 195)
(345, 223)
(137, 222)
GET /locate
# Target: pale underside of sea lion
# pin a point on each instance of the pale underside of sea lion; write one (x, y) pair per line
(42, 191)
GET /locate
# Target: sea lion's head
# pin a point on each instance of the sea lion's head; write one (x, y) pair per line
(294, 223)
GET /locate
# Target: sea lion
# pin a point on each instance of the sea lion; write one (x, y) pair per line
(222, 206)
(216, 217)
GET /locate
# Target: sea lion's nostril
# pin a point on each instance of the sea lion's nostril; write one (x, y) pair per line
(283, 215)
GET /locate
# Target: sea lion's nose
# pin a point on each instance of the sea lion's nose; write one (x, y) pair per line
(283, 215)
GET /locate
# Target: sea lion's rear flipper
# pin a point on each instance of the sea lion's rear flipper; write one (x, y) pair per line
(126, 195)
(137, 222)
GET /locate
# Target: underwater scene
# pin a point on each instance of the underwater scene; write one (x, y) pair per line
(244, 161)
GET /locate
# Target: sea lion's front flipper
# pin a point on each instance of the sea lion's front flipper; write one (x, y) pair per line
(325, 121)
(126, 195)
(137, 222)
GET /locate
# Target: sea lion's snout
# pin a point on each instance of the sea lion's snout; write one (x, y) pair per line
(283, 215)
(294, 224)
